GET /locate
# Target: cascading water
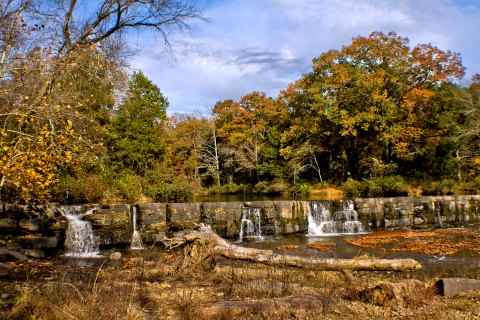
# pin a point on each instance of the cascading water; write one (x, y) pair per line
(136, 238)
(251, 224)
(321, 222)
(80, 240)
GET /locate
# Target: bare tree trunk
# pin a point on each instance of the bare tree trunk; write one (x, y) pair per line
(203, 245)
(459, 166)
(217, 162)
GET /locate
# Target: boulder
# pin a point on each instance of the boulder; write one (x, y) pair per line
(34, 253)
(5, 270)
(8, 255)
(115, 256)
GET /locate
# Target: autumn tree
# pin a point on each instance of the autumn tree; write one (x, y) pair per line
(56, 74)
(248, 136)
(460, 118)
(370, 100)
(192, 147)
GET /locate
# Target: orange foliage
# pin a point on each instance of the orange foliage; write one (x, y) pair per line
(323, 246)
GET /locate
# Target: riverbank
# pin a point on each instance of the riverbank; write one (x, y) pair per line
(152, 284)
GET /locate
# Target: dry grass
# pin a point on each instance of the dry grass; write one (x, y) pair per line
(153, 285)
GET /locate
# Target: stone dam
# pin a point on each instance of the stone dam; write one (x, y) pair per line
(43, 228)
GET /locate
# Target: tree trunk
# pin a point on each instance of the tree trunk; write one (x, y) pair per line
(203, 245)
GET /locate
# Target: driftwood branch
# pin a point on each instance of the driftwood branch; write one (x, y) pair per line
(203, 245)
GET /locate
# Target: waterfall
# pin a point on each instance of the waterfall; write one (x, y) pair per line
(251, 224)
(80, 240)
(322, 222)
(136, 238)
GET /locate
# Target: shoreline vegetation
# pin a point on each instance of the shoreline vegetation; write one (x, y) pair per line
(137, 189)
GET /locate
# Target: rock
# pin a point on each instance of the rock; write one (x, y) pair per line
(8, 223)
(8, 255)
(30, 224)
(33, 253)
(38, 242)
(115, 256)
(5, 270)
(452, 286)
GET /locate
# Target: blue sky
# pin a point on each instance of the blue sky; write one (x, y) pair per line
(264, 45)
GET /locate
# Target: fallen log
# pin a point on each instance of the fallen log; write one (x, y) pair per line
(452, 286)
(202, 245)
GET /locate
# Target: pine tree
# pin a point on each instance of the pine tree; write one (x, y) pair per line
(133, 136)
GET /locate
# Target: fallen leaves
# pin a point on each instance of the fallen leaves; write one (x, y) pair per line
(323, 246)
(431, 242)
(288, 247)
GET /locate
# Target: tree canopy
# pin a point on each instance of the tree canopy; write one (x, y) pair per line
(70, 121)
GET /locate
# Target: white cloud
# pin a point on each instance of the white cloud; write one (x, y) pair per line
(263, 45)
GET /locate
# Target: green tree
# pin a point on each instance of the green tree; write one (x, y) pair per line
(133, 137)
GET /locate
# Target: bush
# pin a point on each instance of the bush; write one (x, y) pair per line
(230, 188)
(85, 188)
(394, 186)
(301, 188)
(164, 187)
(388, 186)
(267, 187)
(128, 186)
(353, 188)
(444, 187)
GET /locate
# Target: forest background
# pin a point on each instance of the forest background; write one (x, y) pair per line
(375, 117)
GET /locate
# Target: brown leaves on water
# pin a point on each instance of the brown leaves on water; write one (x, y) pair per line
(288, 247)
(323, 246)
(432, 242)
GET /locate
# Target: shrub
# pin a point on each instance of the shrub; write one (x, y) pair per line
(268, 187)
(394, 186)
(230, 188)
(372, 187)
(165, 187)
(444, 187)
(84, 188)
(301, 188)
(128, 186)
(388, 186)
(353, 188)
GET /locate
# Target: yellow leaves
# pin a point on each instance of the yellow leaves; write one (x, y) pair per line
(68, 156)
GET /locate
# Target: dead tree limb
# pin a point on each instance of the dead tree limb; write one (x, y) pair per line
(203, 245)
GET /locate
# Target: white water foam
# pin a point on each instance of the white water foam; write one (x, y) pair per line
(80, 240)
(322, 223)
(251, 224)
(136, 238)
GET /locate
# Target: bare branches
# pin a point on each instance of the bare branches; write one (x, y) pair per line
(109, 17)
